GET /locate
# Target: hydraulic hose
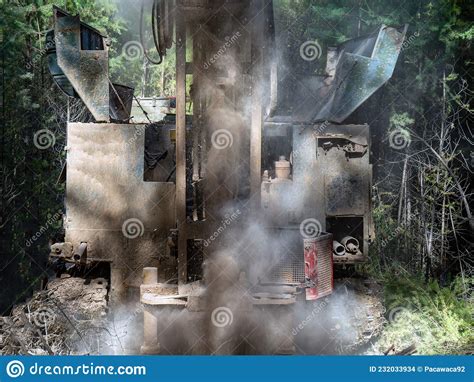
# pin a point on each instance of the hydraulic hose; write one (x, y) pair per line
(155, 29)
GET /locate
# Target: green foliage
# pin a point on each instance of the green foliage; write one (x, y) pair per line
(135, 70)
(439, 45)
(437, 320)
(31, 103)
(401, 120)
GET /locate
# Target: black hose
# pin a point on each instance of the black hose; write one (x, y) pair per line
(154, 25)
(142, 40)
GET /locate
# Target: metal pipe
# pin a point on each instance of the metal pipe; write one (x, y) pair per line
(338, 248)
(142, 39)
(256, 120)
(150, 322)
(81, 254)
(351, 244)
(180, 200)
(150, 275)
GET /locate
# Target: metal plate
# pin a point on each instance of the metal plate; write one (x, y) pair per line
(105, 189)
(363, 65)
(86, 70)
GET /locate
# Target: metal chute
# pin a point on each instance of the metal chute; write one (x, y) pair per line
(355, 70)
(78, 60)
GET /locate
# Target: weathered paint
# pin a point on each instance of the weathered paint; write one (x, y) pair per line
(105, 188)
(318, 266)
(86, 70)
(363, 66)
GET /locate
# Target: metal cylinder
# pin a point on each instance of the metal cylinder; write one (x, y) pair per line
(150, 275)
(150, 322)
(338, 249)
(350, 243)
(118, 290)
(282, 168)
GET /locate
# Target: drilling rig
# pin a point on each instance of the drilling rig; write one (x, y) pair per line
(249, 202)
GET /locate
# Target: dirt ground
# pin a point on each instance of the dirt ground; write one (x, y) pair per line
(56, 320)
(72, 317)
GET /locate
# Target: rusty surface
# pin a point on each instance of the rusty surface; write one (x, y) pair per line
(365, 64)
(318, 266)
(331, 177)
(105, 188)
(159, 289)
(86, 70)
(357, 68)
(181, 147)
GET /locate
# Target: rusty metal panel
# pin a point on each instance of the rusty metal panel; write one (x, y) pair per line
(343, 161)
(344, 165)
(122, 218)
(345, 192)
(307, 177)
(359, 73)
(361, 66)
(58, 75)
(86, 70)
(331, 177)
